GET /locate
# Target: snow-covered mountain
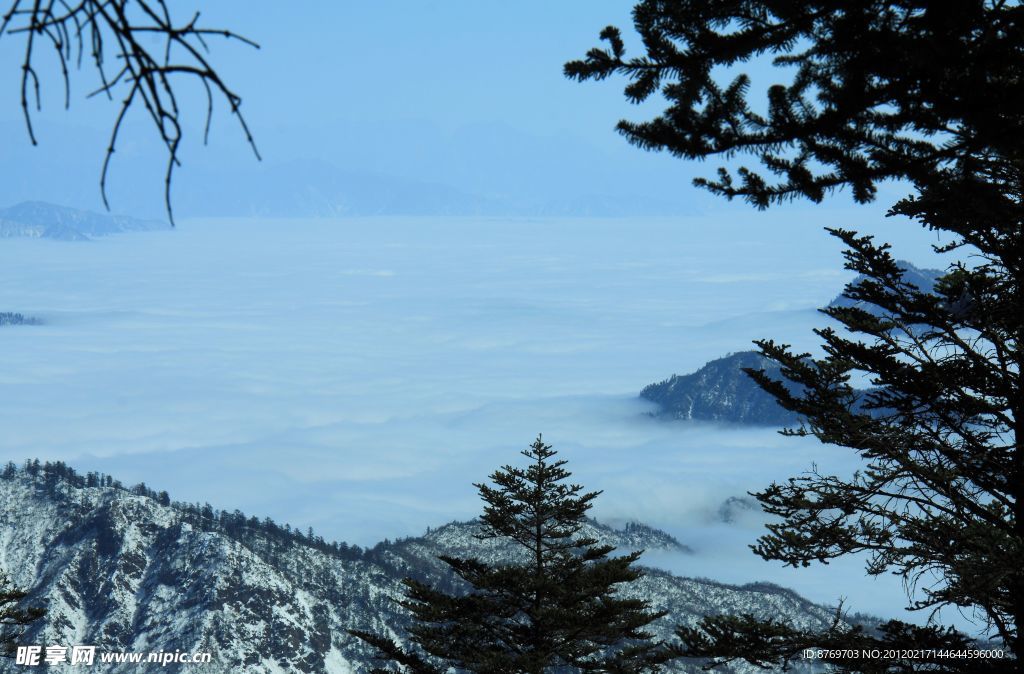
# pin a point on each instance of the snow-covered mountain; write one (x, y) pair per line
(721, 391)
(41, 220)
(127, 570)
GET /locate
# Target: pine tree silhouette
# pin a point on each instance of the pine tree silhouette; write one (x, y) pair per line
(555, 607)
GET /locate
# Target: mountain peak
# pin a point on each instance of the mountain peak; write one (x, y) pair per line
(721, 391)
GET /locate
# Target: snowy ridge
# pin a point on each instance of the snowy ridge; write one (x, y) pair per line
(130, 572)
(721, 391)
(460, 539)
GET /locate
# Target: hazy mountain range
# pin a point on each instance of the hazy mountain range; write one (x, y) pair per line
(368, 168)
(128, 570)
(312, 188)
(42, 220)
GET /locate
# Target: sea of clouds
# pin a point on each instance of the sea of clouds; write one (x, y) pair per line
(358, 376)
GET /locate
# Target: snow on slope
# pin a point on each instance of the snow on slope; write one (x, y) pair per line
(123, 572)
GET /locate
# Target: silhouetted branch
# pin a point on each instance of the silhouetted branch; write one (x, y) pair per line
(117, 29)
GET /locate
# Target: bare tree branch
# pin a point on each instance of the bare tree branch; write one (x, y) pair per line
(122, 30)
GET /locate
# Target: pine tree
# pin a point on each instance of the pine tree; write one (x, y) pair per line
(926, 93)
(555, 607)
(12, 618)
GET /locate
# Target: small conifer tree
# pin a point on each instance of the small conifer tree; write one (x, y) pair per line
(555, 607)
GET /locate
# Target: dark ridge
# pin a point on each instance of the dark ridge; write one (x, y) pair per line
(721, 391)
(12, 318)
(923, 279)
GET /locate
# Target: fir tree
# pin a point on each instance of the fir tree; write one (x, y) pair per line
(926, 93)
(555, 607)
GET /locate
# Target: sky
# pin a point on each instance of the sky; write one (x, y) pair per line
(358, 374)
(449, 63)
(468, 94)
(465, 95)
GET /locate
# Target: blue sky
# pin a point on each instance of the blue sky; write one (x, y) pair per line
(451, 63)
(468, 95)
(434, 91)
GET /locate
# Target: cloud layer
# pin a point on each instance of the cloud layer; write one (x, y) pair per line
(357, 376)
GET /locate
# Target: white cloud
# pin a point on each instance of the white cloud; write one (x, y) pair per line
(319, 373)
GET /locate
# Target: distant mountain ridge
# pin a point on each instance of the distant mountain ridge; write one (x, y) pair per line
(14, 318)
(42, 220)
(320, 189)
(722, 391)
(126, 570)
(924, 279)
